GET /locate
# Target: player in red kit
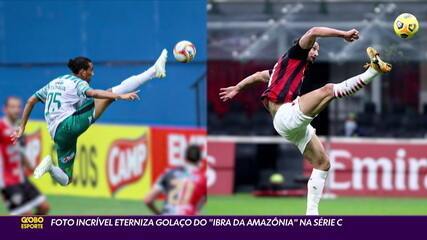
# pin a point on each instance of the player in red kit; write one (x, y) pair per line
(20, 195)
(184, 187)
(293, 114)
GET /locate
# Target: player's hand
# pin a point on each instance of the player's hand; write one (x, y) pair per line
(351, 35)
(16, 135)
(228, 93)
(129, 96)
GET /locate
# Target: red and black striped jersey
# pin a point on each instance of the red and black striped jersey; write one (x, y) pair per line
(287, 75)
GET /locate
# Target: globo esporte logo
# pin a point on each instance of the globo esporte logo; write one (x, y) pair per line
(126, 162)
(32, 222)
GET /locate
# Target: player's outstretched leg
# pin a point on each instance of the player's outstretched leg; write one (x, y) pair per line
(158, 70)
(354, 84)
(314, 102)
(46, 165)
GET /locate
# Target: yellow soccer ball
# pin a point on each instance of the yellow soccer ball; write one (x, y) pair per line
(277, 178)
(406, 25)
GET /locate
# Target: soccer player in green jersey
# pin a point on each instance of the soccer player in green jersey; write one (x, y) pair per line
(71, 106)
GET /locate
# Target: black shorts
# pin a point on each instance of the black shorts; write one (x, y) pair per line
(21, 198)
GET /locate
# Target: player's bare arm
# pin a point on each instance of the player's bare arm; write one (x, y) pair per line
(228, 93)
(308, 39)
(150, 198)
(25, 116)
(101, 94)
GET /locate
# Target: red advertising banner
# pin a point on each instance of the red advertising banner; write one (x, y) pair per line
(168, 147)
(126, 162)
(377, 168)
(220, 167)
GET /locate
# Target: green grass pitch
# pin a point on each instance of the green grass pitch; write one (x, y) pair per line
(246, 204)
(243, 204)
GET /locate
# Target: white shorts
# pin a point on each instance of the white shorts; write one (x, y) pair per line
(293, 125)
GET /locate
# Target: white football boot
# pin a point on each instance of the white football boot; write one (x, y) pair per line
(43, 167)
(160, 64)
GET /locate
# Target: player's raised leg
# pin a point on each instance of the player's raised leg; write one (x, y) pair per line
(158, 70)
(314, 102)
(316, 155)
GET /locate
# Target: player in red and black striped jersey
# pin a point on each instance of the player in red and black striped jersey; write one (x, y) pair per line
(184, 187)
(21, 197)
(292, 114)
(288, 73)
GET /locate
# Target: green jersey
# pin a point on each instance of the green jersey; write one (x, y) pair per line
(62, 97)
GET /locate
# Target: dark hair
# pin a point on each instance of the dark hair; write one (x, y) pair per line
(6, 101)
(193, 154)
(78, 63)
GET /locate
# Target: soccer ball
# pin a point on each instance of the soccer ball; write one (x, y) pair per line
(184, 51)
(406, 25)
(277, 178)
